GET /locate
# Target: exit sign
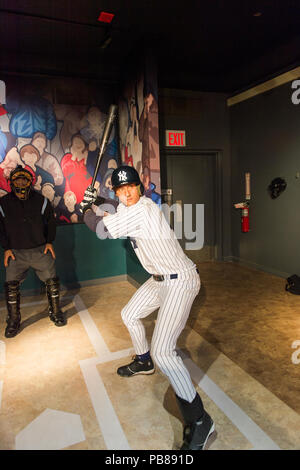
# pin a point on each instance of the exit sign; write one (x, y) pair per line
(175, 138)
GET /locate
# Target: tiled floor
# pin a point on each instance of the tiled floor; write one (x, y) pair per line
(59, 388)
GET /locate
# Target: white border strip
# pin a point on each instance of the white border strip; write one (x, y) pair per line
(1, 388)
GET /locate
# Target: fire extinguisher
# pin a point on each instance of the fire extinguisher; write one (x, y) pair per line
(244, 206)
(245, 219)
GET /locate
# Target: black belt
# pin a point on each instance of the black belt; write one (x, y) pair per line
(161, 277)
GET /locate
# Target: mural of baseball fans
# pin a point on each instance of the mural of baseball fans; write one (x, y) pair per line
(59, 145)
(138, 131)
(74, 168)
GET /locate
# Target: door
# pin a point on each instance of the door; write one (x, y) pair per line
(193, 181)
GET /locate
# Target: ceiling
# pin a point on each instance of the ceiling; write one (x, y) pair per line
(211, 45)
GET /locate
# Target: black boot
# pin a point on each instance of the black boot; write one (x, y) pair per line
(55, 314)
(198, 424)
(12, 297)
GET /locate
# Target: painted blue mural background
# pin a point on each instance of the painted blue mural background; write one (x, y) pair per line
(59, 144)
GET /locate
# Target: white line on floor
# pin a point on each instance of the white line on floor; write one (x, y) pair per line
(107, 418)
(110, 426)
(237, 416)
(90, 327)
(2, 353)
(108, 421)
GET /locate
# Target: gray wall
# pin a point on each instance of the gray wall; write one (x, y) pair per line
(265, 140)
(205, 118)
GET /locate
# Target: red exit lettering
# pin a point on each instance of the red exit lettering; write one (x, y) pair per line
(176, 138)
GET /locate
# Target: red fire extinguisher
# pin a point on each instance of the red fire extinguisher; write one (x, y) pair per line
(244, 206)
(245, 219)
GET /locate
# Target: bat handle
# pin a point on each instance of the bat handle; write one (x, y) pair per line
(92, 185)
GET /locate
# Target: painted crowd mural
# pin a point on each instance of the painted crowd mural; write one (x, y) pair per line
(59, 144)
(139, 136)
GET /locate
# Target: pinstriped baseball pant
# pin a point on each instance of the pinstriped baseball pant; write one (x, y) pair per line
(174, 298)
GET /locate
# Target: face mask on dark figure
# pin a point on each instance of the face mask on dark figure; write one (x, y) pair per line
(21, 181)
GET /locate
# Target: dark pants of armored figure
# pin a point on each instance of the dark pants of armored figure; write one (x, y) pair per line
(16, 272)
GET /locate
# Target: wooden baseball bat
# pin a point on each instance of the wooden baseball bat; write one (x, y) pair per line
(112, 112)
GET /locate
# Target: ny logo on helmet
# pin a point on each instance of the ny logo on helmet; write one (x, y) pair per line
(122, 176)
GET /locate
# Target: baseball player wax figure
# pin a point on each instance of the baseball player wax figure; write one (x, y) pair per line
(27, 230)
(172, 288)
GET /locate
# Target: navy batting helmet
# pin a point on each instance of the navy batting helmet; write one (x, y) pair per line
(124, 175)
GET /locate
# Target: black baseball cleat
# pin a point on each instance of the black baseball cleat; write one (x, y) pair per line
(137, 367)
(195, 435)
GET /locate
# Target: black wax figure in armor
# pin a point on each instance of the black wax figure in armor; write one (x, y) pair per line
(27, 230)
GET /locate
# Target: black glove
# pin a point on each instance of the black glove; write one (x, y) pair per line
(100, 200)
(89, 198)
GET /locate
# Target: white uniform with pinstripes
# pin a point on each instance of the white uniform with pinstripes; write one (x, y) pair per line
(159, 252)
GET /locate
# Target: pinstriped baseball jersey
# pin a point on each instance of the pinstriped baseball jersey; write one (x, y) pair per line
(154, 241)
